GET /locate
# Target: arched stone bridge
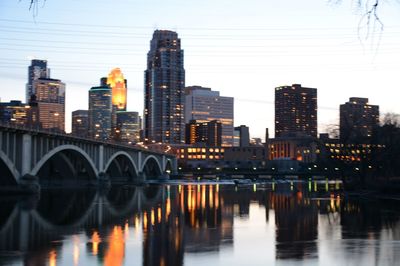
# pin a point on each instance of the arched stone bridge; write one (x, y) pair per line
(62, 159)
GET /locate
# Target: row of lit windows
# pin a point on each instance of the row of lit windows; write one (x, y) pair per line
(203, 150)
(202, 157)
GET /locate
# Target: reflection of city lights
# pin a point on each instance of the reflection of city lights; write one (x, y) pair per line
(95, 243)
(203, 196)
(167, 208)
(137, 222)
(52, 258)
(76, 250)
(159, 215)
(145, 221)
(126, 230)
(116, 249)
(210, 196)
(216, 199)
(152, 217)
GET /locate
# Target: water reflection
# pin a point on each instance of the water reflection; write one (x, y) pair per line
(193, 224)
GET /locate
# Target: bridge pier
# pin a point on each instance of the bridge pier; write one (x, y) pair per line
(29, 184)
(141, 178)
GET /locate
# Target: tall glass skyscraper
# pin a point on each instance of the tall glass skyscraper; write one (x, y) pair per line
(38, 69)
(80, 120)
(204, 105)
(100, 110)
(50, 98)
(128, 127)
(164, 89)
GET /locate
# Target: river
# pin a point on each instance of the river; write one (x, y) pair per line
(206, 223)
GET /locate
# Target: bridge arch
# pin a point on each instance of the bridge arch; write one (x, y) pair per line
(8, 169)
(151, 167)
(124, 155)
(62, 148)
(63, 213)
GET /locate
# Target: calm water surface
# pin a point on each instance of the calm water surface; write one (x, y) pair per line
(200, 224)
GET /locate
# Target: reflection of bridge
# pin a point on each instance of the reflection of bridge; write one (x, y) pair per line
(60, 158)
(24, 225)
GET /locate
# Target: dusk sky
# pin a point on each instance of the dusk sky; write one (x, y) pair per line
(243, 49)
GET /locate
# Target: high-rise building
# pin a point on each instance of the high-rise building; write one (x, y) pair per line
(119, 87)
(100, 111)
(14, 112)
(206, 133)
(80, 123)
(37, 69)
(242, 136)
(50, 98)
(204, 105)
(164, 89)
(295, 110)
(358, 119)
(128, 127)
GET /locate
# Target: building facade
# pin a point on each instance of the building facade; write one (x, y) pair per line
(295, 110)
(358, 119)
(242, 136)
(204, 105)
(164, 89)
(207, 133)
(128, 127)
(100, 112)
(50, 98)
(18, 113)
(37, 69)
(80, 123)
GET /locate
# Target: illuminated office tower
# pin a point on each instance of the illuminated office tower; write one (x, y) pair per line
(358, 119)
(14, 113)
(100, 111)
(204, 105)
(128, 127)
(50, 98)
(80, 123)
(37, 69)
(119, 86)
(295, 110)
(204, 133)
(164, 89)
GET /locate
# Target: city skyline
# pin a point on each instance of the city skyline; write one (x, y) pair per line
(246, 65)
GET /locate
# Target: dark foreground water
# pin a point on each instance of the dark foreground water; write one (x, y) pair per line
(200, 224)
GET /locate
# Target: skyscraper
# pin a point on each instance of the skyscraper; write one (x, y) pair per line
(80, 123)
(295, 110)
(204, 105)
(50, 98)
(164, 89)
(100, 111)
(119, 86)
(128, 127)
(206, 133)
(37, 69)
(358, 118)
(14, 112)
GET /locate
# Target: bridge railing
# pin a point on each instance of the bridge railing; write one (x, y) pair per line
(57, 133)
